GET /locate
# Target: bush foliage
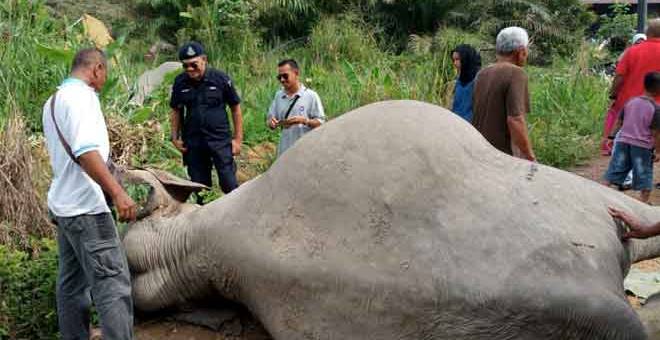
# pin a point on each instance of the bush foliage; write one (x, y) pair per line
(27, 292)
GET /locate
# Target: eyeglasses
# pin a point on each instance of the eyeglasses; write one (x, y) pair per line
(284, 76)
(193, 64)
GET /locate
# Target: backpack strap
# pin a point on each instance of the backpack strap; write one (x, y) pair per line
(66, 145)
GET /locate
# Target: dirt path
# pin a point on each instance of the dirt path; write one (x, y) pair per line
(245, 328)
(595, 169)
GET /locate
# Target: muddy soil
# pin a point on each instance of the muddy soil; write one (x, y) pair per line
(167, 329)
(224, 321)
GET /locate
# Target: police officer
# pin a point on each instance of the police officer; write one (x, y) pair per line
(200, 126)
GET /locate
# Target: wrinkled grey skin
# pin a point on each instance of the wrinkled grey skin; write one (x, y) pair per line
(399, 221)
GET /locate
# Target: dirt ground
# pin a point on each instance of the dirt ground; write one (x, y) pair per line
(167, 329)
(232, 322)
(246, 328)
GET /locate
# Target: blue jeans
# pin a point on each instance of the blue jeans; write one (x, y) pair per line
(626, 157)
(92, 266)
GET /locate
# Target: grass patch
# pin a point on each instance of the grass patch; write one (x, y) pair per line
(566, 121)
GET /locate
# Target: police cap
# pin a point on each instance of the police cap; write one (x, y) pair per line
(191, 50)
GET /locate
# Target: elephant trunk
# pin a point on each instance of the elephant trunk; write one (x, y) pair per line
(641, 250)
(152, 246)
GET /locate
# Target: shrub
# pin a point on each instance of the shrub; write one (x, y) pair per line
(27, 292)
(556, 27)
(567, 109)
(617, 28)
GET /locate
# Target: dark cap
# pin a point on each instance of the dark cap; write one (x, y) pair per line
(190, 50)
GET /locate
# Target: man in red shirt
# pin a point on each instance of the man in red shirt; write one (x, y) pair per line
(636, 63)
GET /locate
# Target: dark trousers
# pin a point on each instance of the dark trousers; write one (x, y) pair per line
(199, 159)
(92, 266)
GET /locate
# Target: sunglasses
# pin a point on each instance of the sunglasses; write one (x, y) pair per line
(284, 76)
(194, 65)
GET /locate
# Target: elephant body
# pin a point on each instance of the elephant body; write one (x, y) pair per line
(399, 221)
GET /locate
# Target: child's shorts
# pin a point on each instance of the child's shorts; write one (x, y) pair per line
(626, 157)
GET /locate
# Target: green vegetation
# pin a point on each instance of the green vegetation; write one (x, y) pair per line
(567, 113)
(352, 52)
(27, 292)
(618, 28)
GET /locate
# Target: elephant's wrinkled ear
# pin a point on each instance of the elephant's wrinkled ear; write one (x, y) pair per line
(180, 189)
(168, 193)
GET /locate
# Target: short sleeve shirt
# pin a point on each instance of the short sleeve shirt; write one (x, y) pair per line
(636, 62)
(79, 118)
(308, 105)
(203, 105)
(500, 90)
(640, 116)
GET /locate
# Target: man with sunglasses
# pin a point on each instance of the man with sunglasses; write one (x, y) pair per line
(200, 126)
(295, 108)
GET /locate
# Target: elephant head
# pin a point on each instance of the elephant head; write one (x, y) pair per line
(399, 221)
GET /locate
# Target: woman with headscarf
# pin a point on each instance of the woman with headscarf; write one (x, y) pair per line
(467, 62)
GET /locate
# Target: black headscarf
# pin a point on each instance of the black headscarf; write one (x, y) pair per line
(470, 63)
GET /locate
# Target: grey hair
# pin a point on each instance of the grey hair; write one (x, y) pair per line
(511, 39)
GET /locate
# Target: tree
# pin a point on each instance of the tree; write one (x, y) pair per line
(555, 26)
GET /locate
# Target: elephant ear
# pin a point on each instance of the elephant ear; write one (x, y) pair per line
(167, 193)
(180, 189)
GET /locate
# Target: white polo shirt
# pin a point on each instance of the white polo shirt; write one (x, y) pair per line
(79, 117)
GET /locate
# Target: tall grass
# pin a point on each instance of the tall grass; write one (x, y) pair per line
(568, 106)
(27, 75)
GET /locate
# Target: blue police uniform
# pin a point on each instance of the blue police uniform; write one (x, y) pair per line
(206, 130)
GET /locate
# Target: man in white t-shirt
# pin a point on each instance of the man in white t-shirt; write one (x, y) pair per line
(92, 264)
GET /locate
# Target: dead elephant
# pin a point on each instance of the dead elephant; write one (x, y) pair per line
(399, 221)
